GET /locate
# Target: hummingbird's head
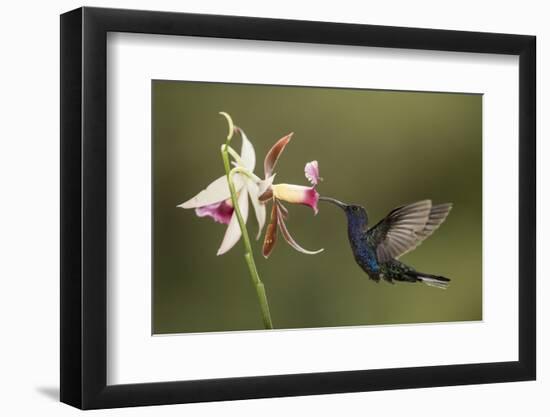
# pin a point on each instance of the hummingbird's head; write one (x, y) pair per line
(357, 215)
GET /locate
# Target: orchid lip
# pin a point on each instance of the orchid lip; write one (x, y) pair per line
(343, 206)
(220, 212)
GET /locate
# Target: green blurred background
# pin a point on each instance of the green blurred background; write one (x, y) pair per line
(380, 149)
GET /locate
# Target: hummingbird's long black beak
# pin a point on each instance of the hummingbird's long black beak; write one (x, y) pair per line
(334, 201)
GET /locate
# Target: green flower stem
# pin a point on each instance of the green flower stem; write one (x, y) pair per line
(248, 256)
(246, 172)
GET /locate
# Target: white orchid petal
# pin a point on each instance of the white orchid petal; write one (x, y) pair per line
(248, 155)
(233, 232)
(259, 208)
(217, 191)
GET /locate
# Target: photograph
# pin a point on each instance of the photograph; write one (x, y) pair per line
(300, 207)
(272, 209)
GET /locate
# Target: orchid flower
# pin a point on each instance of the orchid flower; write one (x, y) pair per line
(225, 200)
(215, 200)
(295, 194)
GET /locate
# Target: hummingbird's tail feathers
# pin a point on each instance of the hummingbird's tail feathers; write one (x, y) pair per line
(398, 271)
(433, 280)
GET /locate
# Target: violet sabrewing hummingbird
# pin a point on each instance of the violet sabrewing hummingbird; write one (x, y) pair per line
(377, 249)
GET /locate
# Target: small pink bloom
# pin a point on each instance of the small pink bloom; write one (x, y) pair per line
(221, 212)
(312, 172)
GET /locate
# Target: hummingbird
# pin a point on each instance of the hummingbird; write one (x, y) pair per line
(377, 249)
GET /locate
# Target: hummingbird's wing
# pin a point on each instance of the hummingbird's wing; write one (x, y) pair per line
(404, 228)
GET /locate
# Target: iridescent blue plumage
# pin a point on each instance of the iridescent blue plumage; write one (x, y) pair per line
(364, 254)
(377, 249)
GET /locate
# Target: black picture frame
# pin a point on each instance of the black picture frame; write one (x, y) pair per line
(84, 197)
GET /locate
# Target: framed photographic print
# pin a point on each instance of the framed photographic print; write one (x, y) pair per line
(258, 208)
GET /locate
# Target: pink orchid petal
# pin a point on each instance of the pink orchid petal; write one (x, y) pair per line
(289, 238)
(259, 208)
(312, 172)
(233, 232)
(296, 194)
(274, 153)
(221, 212)
(248, 155)
(216, 191)
(271, 233)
